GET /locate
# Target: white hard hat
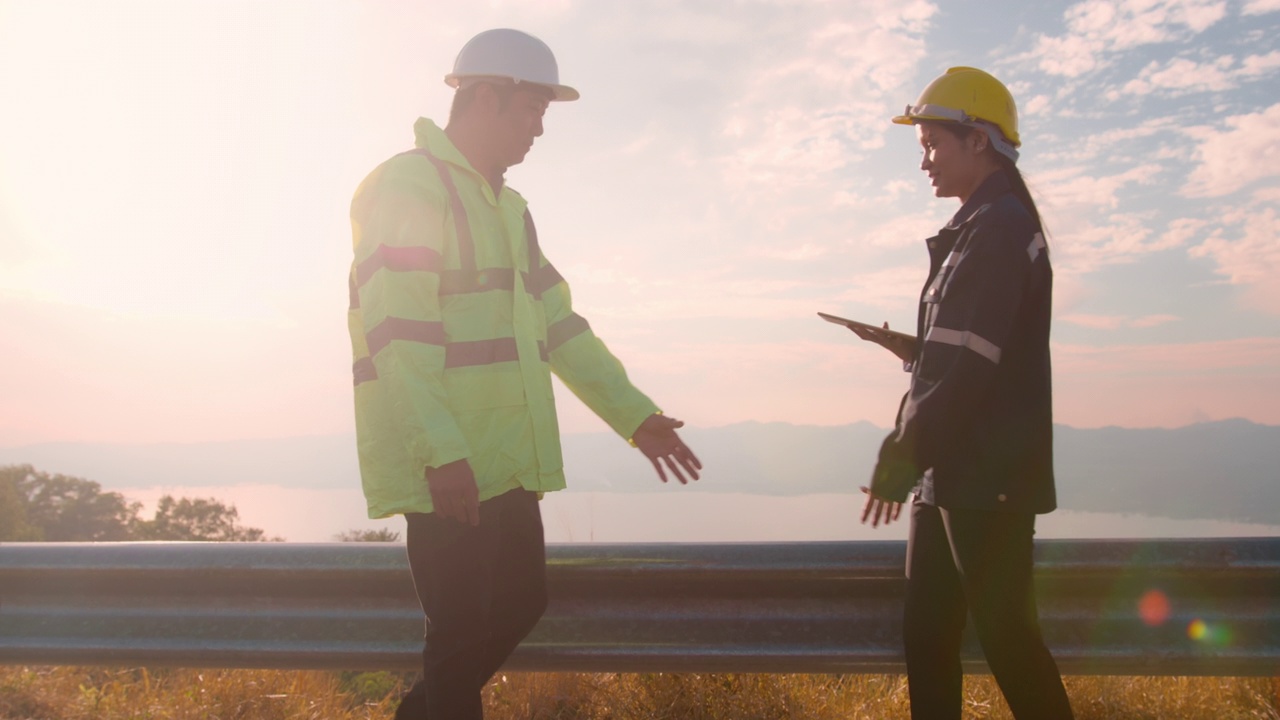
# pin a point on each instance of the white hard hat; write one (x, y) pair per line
(506, 53)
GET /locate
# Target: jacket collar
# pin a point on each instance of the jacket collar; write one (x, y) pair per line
(428, 135)
(996, 184)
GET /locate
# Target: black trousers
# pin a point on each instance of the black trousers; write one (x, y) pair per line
(962, 562)
(482, 590)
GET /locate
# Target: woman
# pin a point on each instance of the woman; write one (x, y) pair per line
(973, 437)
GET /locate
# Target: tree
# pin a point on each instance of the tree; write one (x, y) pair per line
(36, 505)
(198, 519)
(379, 535)
(13, 507)
(61, 508)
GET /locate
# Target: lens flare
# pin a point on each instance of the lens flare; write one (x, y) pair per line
(1209, 633)
(1153, 608)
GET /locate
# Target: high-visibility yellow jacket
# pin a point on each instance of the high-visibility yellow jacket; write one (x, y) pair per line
(455, 334)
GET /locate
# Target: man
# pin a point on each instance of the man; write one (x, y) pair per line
(457, 321)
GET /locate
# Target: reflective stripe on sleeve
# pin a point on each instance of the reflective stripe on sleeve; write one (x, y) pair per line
(398, 259)
(394, 328)
(965, 339)
(545, 278)
(1036, 246)
(564, 330)
(363, 370)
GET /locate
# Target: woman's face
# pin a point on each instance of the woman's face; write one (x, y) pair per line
(954, 165)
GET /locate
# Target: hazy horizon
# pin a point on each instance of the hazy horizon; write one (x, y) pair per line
(676, 514)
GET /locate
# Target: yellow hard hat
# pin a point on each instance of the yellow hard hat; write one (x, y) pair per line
(973, 97)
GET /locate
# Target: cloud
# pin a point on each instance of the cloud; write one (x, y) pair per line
(1114, 142)
(1255, 65)
(1245, 251)
(805, 111)
(1181, 76)
(1163, 385)
(1245, 151)
(1084, 246)
(1116, 322)
(1099, 28)
(1074, 187)
(1260, 7)
(890, 289)
(1169, 358)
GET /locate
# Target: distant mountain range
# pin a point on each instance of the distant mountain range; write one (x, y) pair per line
(1228, 470)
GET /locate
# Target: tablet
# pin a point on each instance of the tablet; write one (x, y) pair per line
(851, 324)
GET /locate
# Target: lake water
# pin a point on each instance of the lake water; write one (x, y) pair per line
(674, 514)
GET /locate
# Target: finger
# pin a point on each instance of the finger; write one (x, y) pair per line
(675, 469)
(879, 513)
(897, 510)
(656, 466)
(449, 508)
(866, 508)
(686, 453)
(687, 460)
(689, 467)
(471, 508)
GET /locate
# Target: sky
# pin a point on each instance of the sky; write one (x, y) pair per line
(175, 179)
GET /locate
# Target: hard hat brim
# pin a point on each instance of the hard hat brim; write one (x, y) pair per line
(559, 93)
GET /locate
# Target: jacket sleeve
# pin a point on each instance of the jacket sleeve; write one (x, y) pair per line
(979, 302)
(585, 365)
(399, 253)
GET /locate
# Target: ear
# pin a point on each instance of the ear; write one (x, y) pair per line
(486, 98)
(978, 141)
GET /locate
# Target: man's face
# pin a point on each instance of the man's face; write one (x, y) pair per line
(517, 122)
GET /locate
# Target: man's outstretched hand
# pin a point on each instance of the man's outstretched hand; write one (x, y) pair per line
(656, 438)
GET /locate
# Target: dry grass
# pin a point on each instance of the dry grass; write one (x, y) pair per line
(42, 693)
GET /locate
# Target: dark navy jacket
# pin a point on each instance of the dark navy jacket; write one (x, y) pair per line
(976, 428)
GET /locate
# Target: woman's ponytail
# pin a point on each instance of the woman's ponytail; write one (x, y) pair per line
(1020, 189)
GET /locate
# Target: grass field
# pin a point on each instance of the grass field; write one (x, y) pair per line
(46, 693)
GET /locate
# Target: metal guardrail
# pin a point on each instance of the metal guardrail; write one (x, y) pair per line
(1169, 607)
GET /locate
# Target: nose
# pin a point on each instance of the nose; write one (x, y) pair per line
(537, 127)
(925, 162)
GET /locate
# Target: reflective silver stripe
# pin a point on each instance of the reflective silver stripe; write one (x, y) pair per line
(938, 112)
(965, 339)
(1037, 244)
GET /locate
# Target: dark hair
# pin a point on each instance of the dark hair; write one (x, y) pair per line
(463, 96)
(1010, 171)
